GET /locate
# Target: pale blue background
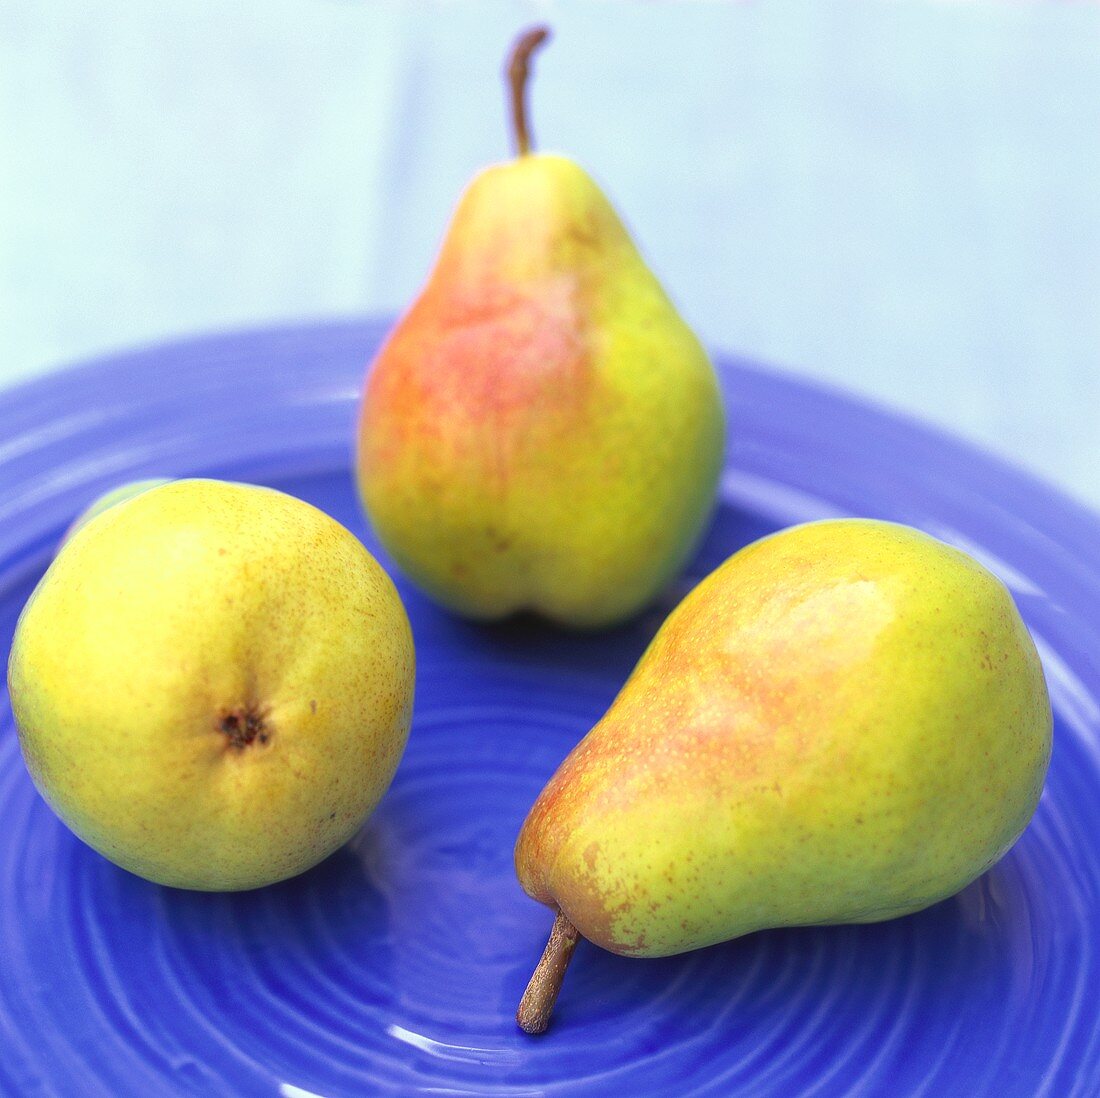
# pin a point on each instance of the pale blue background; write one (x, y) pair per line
(903, 199)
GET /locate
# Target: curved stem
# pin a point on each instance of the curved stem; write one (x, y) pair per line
(538, 1000)
(517, 72)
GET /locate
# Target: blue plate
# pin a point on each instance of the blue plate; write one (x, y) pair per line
(396, 965)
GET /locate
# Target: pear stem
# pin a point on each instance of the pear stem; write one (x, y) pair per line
(517, 72)
(538, 1000)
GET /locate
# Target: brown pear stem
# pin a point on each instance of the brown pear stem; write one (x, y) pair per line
(538, 1000)
(517, 72)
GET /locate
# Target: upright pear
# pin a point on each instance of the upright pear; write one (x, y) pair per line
(541, 431)
(845, 722)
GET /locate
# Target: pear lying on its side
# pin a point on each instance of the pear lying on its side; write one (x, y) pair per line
(845, 722)
(212, 684)
(541, 431)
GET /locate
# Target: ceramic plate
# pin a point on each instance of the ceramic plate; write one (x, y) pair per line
(395, 966)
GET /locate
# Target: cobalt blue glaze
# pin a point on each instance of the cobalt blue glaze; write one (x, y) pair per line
(396, 965)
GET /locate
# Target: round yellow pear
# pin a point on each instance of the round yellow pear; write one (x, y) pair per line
(213, 684)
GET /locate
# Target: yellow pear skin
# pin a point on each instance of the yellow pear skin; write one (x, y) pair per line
(845, 722)
(541, 431)
(213, 684)
(116, 495)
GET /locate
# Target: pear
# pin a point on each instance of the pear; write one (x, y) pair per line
(212, 684)
(845, 722)
(541, 431)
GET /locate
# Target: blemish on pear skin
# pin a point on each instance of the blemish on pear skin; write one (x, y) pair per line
(637, 945)
(244, 726)
(501, 543)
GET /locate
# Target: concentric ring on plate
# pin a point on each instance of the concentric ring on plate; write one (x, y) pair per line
(398, 962)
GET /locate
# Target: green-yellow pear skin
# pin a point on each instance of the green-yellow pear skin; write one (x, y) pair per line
(845, 722)
(541, 431)
(116, 495)
(213, 684)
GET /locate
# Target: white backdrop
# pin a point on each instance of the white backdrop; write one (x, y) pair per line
(902, 199)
